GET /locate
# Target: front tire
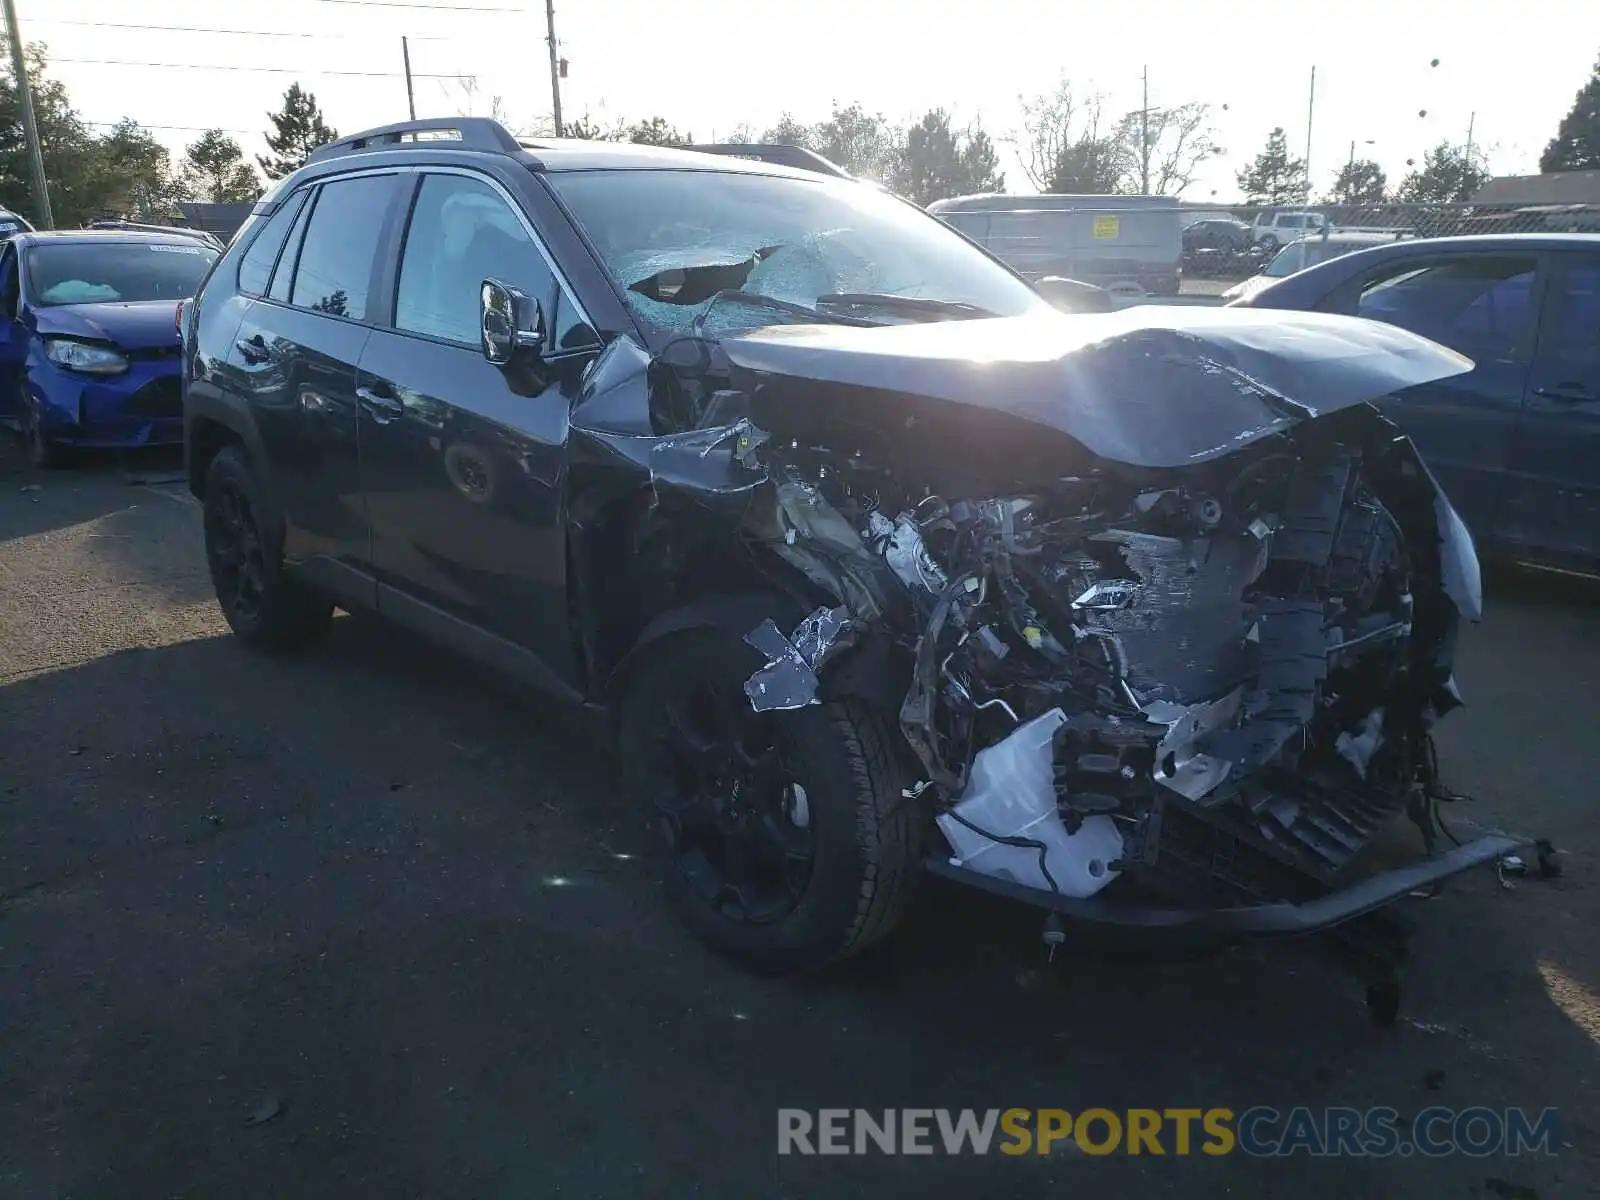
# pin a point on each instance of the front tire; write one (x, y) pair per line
(43, 454)
(268, 609)
(787, 843)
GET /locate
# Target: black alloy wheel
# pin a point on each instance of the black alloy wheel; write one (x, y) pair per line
(238, 561)
(736, 822)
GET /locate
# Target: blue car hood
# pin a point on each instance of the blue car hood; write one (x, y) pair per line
(141, 325)
(1151, 386)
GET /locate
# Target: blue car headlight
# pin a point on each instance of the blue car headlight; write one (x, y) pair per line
(85, 357)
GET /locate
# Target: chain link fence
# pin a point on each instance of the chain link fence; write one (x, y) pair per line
(1219, 250)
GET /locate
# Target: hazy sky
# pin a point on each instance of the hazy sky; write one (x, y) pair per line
(708, 65)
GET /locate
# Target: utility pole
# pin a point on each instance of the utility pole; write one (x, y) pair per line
(411, 96)
(555, 65)
(1471, 121)
(1144, 138)
(30, 128)
(1311, 108)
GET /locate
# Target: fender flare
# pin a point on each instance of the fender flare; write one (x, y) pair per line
(732, 613)
(239, 425)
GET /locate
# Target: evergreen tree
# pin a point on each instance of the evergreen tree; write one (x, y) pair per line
(214, 169)
(1274, 177)
(297, 130)
(1576, 146)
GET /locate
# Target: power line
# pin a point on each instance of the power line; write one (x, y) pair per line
(434, 7)
(170, 128)
(122, 62)
(238, 32)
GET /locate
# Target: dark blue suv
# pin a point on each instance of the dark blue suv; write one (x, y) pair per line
(1516, 440)
(880, 563)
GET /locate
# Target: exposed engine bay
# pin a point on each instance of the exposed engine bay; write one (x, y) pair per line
(1247, 639)
(1207, 671)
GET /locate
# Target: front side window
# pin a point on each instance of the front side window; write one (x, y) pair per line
(255, 269)
(1482, 307)
(334, 273)
(462, 232)
(677, 241)
(115, 272)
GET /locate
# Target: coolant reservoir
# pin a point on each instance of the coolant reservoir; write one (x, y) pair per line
(1011, 793)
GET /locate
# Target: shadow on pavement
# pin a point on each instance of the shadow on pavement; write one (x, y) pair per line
(360, 924)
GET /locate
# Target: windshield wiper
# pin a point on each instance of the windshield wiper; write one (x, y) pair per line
(757, 300)
(910, 305)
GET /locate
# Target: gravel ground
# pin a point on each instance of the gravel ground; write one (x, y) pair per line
(361, 924)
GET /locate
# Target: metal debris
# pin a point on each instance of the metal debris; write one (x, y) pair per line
(789, 680)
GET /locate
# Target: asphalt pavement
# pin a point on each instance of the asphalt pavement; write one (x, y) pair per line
(362, 923)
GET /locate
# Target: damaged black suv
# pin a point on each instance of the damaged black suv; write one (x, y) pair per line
(881, 565)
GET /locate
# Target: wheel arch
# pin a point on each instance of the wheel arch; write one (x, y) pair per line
(207, 430)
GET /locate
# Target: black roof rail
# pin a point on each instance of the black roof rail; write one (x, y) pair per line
(778, 155)
(471, 133)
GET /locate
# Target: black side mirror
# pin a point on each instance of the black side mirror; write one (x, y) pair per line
(511, 322)
(1073, 296)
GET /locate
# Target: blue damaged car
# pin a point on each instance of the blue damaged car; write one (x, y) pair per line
(89, 347)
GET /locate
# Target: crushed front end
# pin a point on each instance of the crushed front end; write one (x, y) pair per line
(1168, 612)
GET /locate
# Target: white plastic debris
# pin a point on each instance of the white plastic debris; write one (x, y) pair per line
(1011, 794)
(1358, 749)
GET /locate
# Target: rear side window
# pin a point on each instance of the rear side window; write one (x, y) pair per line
(283, 273)
(255, 269)
(1479, 306)
(334, 272)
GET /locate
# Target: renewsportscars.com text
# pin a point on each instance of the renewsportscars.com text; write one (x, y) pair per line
(1259, 1131)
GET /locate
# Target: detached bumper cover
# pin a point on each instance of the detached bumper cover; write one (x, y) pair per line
(1324, 912)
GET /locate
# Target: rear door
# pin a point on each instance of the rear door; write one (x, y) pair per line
(295, 355)
(1484, 306)
(1553, 489)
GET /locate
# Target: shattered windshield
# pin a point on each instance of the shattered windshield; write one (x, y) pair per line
(680, 243)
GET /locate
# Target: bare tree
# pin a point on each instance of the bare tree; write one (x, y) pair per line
(1066, 144)
(1049, 131)
(471, 103)
(1165, 147)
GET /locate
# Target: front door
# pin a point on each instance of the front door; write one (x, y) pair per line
(463, 462)
(1554, 483)
(13, 336)
(1484, 306)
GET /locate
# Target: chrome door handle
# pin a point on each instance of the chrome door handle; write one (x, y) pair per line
(383, 408)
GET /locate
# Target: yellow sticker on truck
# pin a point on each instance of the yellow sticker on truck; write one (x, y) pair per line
(1106, 227)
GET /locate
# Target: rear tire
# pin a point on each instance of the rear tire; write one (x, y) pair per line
(244, 548)
(837, 760)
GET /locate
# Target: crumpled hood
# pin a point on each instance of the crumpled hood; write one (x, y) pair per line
(1151, 386)
(142, 325)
